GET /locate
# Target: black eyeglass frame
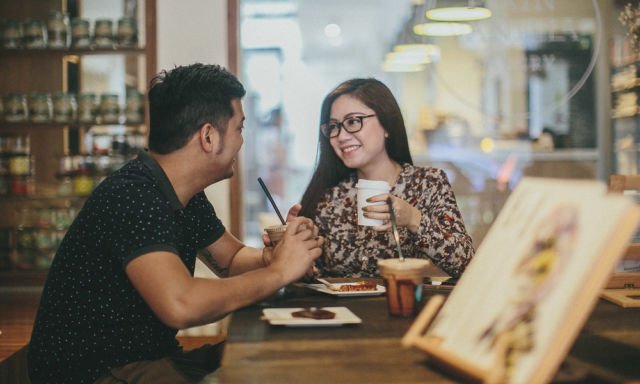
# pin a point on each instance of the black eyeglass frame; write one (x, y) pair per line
(324, 127)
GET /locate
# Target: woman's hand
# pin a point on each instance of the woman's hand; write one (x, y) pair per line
(406, 214)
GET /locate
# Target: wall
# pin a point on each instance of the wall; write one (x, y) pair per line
(192, 31)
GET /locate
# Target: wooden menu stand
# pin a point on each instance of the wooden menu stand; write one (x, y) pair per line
(554, 258)
(465, 370)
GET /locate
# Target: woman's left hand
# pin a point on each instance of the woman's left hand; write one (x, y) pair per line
(406, 214)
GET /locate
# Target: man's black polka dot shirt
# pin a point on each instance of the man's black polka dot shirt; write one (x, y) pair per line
(91, 318)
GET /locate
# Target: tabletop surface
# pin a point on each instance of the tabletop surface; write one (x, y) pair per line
(607, 349)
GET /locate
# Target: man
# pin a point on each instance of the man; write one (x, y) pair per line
(122, 283)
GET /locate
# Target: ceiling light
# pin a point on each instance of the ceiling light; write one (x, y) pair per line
(332, 30)
(394, 67)
(458, 13)
(407, 57)
(442, 29)
(407, 40)
(430, 50)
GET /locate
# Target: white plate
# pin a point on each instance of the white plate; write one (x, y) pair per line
(322, 288)
(282, 316)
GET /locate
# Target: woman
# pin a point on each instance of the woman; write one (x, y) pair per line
(362, 136)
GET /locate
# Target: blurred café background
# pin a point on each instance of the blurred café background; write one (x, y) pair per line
(511, 89)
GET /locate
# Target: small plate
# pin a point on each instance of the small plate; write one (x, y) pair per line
(322, 288)
(282, 316)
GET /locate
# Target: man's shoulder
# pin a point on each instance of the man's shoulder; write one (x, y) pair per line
(128, 184)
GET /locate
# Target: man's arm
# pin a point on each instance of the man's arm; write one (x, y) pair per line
(182, 301)
(231, 257)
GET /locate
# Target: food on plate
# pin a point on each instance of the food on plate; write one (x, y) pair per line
(359, 286)
(314, 313)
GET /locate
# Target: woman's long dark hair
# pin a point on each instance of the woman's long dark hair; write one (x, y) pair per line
(330, 170)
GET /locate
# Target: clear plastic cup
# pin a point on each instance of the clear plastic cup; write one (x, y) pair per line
(403, 280)
(275, 232)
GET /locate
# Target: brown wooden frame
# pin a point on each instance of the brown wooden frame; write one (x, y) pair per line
(620, 280)
(235, 187)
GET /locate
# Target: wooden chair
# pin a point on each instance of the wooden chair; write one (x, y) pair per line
(619, 184)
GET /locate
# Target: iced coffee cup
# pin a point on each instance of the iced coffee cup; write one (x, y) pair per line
(403, 280)
(367, 189)
(276, 232)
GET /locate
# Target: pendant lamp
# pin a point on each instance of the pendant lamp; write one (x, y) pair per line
(455, 10)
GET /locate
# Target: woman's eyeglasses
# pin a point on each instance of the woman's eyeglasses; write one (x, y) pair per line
(351, 124)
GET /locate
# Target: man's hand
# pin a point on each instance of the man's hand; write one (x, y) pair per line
(294, 255)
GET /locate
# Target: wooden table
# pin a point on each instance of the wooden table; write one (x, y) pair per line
(17, 312)
(608, 349)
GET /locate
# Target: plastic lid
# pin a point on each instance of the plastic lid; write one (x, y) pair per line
(408, 266)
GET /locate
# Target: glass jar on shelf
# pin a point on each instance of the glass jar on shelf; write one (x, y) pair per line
(24, 257)
(12, 34)
(35, 34)
(80, 33)
(127, 32)
(20, 164)
(65, 174)
(83, 175)
(64, 107)
(40, 107)
(58, 29)
(16, 109)
(109, 108)
(103, 33)
(87, 107)
(135, 141)
(134, 107)
(21, 185)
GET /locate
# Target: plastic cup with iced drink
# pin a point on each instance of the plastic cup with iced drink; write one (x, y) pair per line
(403, 280)
(276, 232)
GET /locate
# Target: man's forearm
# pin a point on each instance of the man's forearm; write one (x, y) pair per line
(247, 259)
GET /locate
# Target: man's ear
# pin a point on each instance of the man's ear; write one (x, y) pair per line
(205, 135)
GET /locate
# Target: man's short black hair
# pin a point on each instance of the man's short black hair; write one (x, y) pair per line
(185, 98)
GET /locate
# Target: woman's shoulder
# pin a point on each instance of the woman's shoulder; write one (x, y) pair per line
(338, 192)
(423, 172)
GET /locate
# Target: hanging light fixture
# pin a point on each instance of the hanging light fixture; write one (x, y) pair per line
(442, 29)
(411, 52)
(454, 10)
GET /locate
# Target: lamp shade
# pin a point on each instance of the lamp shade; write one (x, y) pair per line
(457, 10)
(442, 29)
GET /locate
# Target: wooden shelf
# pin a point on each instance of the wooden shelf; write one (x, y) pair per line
(50, 52)
(56, 125)
(624, 280)
(14, 278)
(633, 252)
(51, 70)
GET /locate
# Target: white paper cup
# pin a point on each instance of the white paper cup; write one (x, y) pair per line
(366, 189)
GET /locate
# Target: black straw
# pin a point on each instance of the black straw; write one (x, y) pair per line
(266, 191)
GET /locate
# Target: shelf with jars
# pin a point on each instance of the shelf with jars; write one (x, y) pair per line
(71, 111)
